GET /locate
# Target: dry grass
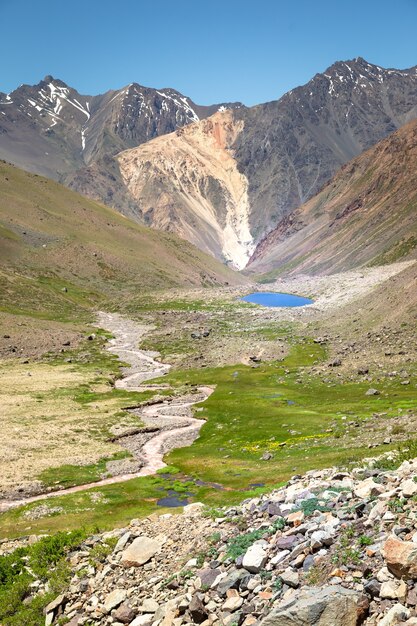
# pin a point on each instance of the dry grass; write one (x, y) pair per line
(44, 424)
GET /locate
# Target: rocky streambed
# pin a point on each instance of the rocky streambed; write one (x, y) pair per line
(168, 424)
(331, 548)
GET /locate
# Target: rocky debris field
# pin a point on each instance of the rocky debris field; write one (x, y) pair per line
(331, 548)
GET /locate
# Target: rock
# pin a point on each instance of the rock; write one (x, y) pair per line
(328, 606)
(412, 597)
(49, 619)
(372, 587)
(267, 456)
(55, 604)
(142, 620)
(409, 488)
(295, 518)
(372, 392)
(233, 602)
(290, 578)
(335, 363)
(124, 614)
(393, 590)
(197, 610)
(140, 551)
(319, 539)
(254, 559)
(208, 576)
(193, 509)
(286, 543)
(396, 613)
(114, 598)
(120, 545)
(362, 371)
(368, 488)
(149, 605)
(231, 581)
(400, 557)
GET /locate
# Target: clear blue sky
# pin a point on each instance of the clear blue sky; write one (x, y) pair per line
(211, 50)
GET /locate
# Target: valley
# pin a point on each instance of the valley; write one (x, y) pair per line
(284, 391)
(170, 453)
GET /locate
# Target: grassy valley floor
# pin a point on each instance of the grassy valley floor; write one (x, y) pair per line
(280, 405)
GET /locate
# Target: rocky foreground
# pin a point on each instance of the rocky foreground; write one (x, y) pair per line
(330, 548)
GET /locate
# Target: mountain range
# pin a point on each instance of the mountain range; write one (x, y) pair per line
(221, 176)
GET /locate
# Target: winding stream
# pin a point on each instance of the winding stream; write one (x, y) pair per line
(176, 427)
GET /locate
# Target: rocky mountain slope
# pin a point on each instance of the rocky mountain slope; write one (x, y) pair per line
(51, 129)
(61, 249)
(284, 152)
(226, 194)
(188, 182)
(331, 548)
(364, 215)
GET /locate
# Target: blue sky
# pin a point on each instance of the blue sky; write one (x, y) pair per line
(213, 51)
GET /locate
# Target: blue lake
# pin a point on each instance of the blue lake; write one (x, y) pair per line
(265, 298)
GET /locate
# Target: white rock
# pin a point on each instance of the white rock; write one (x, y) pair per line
(393, 590)
(142, 620)
(114, 598)
(140, 551)
(254, 559)
(409, 488)
(280, 557)
(149, 605)
(122, 542)
(397, 612)
(367, 488)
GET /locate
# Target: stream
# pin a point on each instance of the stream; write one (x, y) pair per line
(172, 419)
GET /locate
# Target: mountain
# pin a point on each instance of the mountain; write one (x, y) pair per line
(366, 215)
(188, 182)
(223, 181)
(51, 129)
(269, 159)
(60, 249)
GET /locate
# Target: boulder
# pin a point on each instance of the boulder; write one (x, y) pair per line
(395, 614)
(55, 604)
(290, 578)
(393, 590)
(254, 559)
(114, 598)
(140, 551)
(409, 488)
(400, 557)
(328, 606)
(142, 620)
(367, 488)
(197, 610)
(149, 605)
(233, 602)
(124, 614)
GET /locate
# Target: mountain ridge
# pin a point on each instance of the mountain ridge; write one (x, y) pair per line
(364, 215)
(283, 151)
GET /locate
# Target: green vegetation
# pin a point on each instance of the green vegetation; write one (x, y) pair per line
(349, 549)
(71, 475)
(45, 561)
(279, 408)
(400, 250)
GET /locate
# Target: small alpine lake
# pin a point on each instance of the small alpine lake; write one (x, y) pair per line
(273, 299)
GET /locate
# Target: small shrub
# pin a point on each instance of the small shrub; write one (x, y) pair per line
(238, 545)
(365, 540)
